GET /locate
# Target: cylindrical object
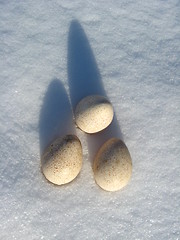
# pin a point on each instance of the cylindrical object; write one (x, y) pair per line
(93, 113)
(62, 160)
(112, 165)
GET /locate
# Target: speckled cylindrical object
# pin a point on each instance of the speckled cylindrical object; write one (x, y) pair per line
(93, 113)
(62, 160)
(112, 165)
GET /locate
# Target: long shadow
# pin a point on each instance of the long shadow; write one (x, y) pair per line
(85, 79)
(56, 117)
(83, 73)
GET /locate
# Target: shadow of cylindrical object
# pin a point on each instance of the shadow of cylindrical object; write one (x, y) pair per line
(56, 118)
(84, 80)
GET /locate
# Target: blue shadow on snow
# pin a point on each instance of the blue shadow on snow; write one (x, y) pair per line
(56, 118)
(84, 79)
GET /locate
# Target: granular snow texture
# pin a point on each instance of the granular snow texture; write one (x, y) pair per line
(53, 53)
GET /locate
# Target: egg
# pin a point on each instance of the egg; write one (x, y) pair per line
(112, 165)
(93, 113)
(62, 160)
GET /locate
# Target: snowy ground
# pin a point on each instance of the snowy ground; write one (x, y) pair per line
(52, 54)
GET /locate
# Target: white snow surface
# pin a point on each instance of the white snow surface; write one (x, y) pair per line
(53, 53)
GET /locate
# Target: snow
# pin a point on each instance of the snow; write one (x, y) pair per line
(52, 54)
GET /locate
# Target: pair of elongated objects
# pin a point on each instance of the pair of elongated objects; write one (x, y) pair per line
(112, 165)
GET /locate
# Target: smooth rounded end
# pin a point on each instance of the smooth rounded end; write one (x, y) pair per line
(62, 160)
(112, 165)
(93, 114)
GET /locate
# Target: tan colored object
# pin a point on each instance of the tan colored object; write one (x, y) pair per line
(62, 160)
(93, 113)
(112, 165)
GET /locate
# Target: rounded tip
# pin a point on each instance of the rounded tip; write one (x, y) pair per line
(93, 113)
(62, 160)
(112, 165)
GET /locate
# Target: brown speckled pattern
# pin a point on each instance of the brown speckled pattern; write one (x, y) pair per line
(62, 160)
(112, 165)
(93, 114)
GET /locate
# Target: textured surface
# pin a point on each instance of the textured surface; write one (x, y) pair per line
(62, 160)
(112, 165)
(93, 113)
(128, 49)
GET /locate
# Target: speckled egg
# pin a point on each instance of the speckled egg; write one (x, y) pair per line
(62, 160)
(112, 165)
(93, 113)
